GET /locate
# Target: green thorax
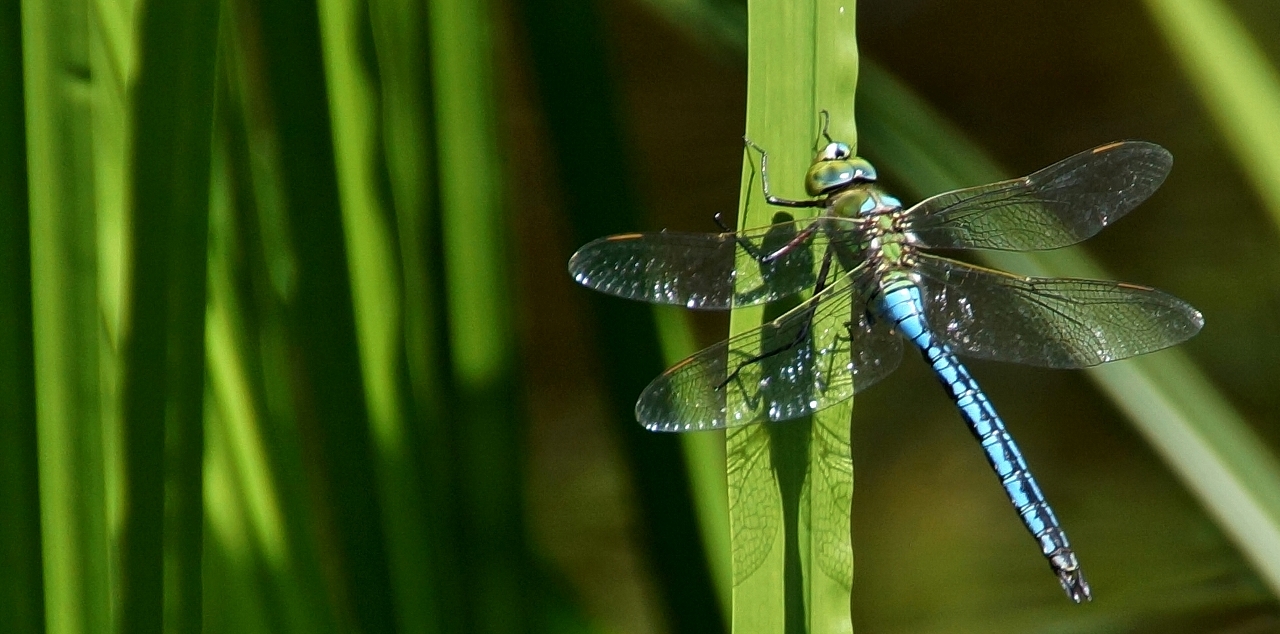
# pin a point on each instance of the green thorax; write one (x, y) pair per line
(879, 216)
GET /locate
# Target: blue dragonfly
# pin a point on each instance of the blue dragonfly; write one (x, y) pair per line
(875, 282)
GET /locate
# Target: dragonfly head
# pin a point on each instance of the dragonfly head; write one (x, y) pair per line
(835, 167)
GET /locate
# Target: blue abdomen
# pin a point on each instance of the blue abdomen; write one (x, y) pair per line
(899, 302)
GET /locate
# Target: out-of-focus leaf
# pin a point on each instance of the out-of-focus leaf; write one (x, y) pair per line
(380, 120)
(163, 358)
(67, 317)
(485, 419)
(322, 364)
(575, 90)
(1236, 82)
(21, 591)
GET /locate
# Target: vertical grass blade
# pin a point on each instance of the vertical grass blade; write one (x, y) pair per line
(575, 91)
(830, 552)
(267, 521)
(21, 594)
(487, 425)
(163, 356)
(401, 42)
(790, 485)
(358, 97)
(66, 316)
(1238, 85)
(262, 572)
(1171, 402)
(322, 359)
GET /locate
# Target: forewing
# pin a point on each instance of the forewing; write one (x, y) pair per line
(806, 368)
(1048, 322)
(1059, 205)
(711, 271)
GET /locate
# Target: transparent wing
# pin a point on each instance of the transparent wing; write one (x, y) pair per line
(1048, 322)
(1059, 205)
(753, 490)
(711, 271)
(830, 519)
(814, 356)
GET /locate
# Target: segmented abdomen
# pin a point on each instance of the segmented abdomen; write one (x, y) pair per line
(899, 301)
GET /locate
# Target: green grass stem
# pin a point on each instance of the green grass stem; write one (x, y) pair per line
(364, 149)
(793, 566)
(66, 317)
(322, 375)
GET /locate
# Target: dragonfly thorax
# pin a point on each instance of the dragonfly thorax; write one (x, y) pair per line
(835, 167)
(863, 200)
(885, 243)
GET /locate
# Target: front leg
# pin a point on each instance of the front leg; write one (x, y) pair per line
(764, 182)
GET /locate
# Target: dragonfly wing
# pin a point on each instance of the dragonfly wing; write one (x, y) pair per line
(812, 357)
(753, 488)
(711, 271)
(1048, 322)
(1059, 205)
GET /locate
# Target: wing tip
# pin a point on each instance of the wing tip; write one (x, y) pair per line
(1162, 164)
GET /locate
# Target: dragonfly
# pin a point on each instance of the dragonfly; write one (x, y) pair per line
(876, 282)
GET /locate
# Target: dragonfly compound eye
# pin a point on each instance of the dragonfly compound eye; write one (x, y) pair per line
(834, 152)
(828, 175)
(862, 170)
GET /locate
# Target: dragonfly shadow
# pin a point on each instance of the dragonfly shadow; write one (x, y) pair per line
(774, 461)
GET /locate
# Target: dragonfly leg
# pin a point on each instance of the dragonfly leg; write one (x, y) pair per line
(745, 244)
(800, 335)
(764, 182)
(826, 122)
(832, 358)
(799, 338)
(752, 400)
(718, 218)
(791, 245)
(782, 251)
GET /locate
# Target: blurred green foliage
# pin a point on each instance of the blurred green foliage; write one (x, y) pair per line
(286, 342)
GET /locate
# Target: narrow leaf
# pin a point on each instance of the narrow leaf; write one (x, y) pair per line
(66, 317)
(790, 484)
